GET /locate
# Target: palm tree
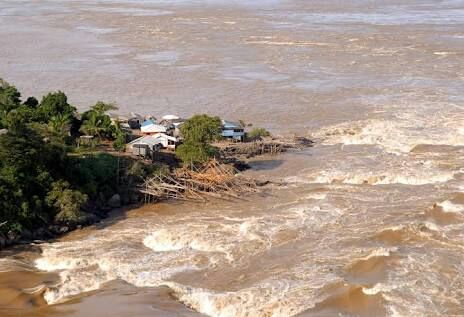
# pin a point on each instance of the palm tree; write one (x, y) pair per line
(93, 125)
(60, 125)
(101, 108)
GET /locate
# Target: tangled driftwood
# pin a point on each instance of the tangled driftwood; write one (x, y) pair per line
(270, 146)
(213, 179)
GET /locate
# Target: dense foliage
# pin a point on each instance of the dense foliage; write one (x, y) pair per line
(41, 181)
(198, 133)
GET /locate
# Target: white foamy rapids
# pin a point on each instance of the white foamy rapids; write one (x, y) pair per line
(431, 226)
(260, 301)
(234, 237)
(396, 136)
(380, 252)
(226, 238)
(198, 243)
(270, 298)
(85, 265)
(379, 288)
(448, 206)
(407, 176)
(139, 270)
(73, 283)
(49, 263)
(424, 295)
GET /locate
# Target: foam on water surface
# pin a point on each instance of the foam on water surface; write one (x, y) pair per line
(174, 248)
(385, 106)
(449, 206)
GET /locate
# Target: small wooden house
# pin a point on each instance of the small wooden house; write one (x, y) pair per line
(232, 130)
(167, 141)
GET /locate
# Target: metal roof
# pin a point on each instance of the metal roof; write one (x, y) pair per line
(231, 125)
(152, 128)
(150, 140)
(147, 123)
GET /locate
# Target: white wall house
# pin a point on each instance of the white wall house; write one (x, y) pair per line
(144, 146)
(167, 141)
(154, 142)
(232, 130)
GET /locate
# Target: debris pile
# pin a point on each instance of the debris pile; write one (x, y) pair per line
(263, 146)
(214, 179)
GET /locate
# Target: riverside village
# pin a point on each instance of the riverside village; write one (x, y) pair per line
(80, 166)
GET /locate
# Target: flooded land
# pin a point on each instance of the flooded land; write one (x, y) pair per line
(370, 221)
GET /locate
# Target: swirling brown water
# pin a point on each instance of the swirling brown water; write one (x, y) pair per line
(370, 222)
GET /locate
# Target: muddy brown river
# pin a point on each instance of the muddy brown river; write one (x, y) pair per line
(370, 221)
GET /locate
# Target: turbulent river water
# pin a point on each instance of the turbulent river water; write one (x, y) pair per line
(371, 220)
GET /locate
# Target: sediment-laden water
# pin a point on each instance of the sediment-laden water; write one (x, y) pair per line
(371, 220)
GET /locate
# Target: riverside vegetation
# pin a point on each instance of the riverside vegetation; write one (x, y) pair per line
(47, 184)
(50, 183)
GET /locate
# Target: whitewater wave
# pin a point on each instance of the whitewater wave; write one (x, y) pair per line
(398, 136)
(174, 247)
(270, 298)
(448, 206)
(260, 301)
(420, 175)
(379, 288)
(227, 239)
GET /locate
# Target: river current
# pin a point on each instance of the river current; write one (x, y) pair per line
(369, 222)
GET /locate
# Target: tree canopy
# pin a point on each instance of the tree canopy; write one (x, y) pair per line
(97, 123)
(54, 104)
(198, 132)
(40, 183)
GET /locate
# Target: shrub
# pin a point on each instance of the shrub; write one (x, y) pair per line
(195, 153)
(67, 202)
(94, 173)
(258, 133)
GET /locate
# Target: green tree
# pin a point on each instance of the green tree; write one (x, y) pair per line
(201, 129)
(198, 133)
(67, 202)
(9, 94)
(93, 125)
(97, 123)
(22, 113)
(10, 99)
(54, 104)
(101, 108)
(119, 143)
(59, 126)
(31, 102)
(25, 172)
(195, 152)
